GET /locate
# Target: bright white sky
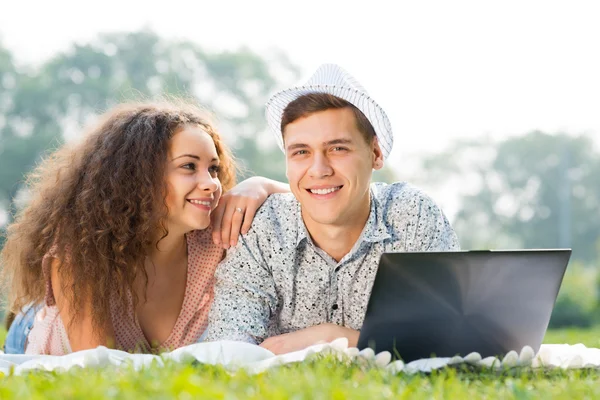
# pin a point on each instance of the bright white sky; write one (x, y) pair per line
(442, 69)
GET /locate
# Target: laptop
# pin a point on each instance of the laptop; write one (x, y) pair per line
(444, 304)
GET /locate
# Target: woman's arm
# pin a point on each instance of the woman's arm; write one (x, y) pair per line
(238, 206)
(80, 331)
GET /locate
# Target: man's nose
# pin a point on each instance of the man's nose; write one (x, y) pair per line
(320, 166)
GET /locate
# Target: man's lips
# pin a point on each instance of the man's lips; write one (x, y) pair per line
(324, 190)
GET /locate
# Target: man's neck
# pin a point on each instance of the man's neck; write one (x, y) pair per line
(338, 239)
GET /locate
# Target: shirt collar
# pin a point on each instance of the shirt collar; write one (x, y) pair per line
(375, 229)
(302, 232)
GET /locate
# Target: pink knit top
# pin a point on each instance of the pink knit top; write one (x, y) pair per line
(48, 335)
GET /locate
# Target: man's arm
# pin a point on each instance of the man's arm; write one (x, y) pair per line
(245, 295)
(299, 340)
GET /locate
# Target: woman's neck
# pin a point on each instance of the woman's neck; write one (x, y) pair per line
(168, 250)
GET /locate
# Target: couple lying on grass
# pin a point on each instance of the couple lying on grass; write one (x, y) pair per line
(130, 239)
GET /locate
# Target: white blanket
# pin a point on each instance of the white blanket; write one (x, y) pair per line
(234, 355)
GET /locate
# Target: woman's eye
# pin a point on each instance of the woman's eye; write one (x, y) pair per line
(215, 169)
(190, 166)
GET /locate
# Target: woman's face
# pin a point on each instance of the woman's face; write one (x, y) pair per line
(193, 186)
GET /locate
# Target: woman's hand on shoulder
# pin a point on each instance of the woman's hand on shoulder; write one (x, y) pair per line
(238, 206)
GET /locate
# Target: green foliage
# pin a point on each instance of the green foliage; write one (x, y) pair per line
(567, 312)
(576, 302)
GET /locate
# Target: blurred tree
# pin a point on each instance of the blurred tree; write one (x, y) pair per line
(9, 79)
(531, 191)
(577, 301)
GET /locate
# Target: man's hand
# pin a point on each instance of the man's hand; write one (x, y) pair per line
(304, 338)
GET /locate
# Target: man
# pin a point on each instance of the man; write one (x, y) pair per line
(304, 271)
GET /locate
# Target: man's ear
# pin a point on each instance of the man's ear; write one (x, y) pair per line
(377, 155)
(285, 157)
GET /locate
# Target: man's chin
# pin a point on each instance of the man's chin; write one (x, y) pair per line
(326, 218)
(326, 213)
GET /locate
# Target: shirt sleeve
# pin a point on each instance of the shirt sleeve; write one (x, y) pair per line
(418, 220)
(245, 294)
(433, 232)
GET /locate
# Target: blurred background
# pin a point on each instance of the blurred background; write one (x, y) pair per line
(495, 106)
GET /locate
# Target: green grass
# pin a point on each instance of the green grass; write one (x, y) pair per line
(589, 337)
(318, 378)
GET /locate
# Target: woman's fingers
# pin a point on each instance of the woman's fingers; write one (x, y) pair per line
(233, 217)
(217, 219)
(249, 216)
(237, 219)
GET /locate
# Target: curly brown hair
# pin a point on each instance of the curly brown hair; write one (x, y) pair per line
(98, 204)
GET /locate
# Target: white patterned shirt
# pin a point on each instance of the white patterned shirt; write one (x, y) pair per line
(276, 280)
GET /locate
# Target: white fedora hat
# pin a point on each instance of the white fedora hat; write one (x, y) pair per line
(332, 79)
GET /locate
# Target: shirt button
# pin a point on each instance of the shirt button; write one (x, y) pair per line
(334, 307)
(338, 268)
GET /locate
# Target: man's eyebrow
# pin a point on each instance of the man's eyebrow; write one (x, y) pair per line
(329, 143)
(337, 141)
(297, 146)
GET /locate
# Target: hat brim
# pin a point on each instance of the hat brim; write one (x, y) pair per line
(374, 113)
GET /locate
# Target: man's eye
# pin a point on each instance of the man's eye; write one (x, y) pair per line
(299, 152)
(338, 148)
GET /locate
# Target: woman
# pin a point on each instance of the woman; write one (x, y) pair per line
(115, 246)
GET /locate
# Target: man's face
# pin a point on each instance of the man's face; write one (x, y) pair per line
(329, 165)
